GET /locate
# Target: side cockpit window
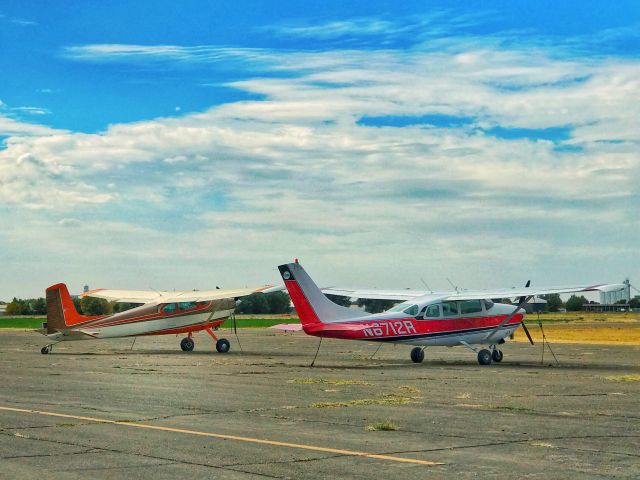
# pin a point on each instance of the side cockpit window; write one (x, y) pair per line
(487, 304)
(186, 305)
(470, 306)
(169, 308)
(433, 311)
(449, 309)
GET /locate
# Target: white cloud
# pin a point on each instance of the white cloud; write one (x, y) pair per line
(245, 185)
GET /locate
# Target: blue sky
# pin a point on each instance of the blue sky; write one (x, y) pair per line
(172, 145)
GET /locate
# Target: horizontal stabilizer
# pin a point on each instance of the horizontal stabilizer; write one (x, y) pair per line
(288, 327)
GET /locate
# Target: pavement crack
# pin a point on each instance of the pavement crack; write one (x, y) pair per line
(39, 455)
(141, 455)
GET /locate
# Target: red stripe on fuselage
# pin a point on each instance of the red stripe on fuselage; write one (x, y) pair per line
(407, 327)
(186, 329)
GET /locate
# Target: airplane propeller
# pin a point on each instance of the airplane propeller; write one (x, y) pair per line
(523, 299)
(524, 327)
(526, 331)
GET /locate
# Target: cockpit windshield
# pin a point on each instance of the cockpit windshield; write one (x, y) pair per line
(488, 304)
(399, 307)
(406, 307)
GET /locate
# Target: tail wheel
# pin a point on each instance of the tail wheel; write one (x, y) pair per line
(417, 354)
(223, 345)
(45, 350)
(497, 355)
(484, 357)
(187, 344)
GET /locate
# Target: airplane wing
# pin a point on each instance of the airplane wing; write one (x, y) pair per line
(530, 291)
(406, 295)
(148, 296)
(375, 294)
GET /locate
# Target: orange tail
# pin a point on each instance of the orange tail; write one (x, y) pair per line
(61, 312)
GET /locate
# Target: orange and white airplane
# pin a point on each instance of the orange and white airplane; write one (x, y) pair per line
(456, 318)
(161, 313)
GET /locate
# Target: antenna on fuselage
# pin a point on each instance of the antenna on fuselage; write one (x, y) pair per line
(157, 291)
(454, 286)
(425, 284)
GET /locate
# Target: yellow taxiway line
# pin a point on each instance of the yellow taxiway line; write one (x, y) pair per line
(261, 441)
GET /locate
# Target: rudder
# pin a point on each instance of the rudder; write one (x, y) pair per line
(61, 312)
(311, 304)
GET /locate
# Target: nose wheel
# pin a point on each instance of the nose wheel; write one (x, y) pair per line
(223, 345)
(497, 355)
(46, 349)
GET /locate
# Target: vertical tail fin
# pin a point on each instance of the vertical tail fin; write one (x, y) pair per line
(61, 312)
(311, 304)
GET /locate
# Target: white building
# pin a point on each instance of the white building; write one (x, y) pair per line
(609, 298)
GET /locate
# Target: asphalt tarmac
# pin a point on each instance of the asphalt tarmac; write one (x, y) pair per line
(98, 409)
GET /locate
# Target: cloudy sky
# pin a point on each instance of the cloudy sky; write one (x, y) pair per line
(162, 144)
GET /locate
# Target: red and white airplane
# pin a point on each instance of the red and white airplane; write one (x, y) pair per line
(465, 318)
(161, 313)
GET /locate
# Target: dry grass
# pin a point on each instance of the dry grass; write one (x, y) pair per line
(409, 389)
(582, 317)
(386, 426)
(542, 444)
(625, 378)
(576, 333)
(389, 399)
(326, 381)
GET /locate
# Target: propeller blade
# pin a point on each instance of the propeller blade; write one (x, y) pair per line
(235, 326)
(526, 331)
(523, 300)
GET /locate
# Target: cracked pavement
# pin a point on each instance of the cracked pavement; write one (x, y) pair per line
(518, 419)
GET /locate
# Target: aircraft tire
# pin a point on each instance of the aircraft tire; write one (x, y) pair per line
(187, 344)
(417, 354)
(497, 355)
(45, 350)
(484, 357)
(223, 345)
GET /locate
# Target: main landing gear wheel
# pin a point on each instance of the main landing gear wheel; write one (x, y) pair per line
(223, 345)
(497, 355)
(417, 354)
(187, 344)
(46, 349)
(484, 357)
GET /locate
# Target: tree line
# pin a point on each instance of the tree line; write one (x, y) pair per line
(270, 303)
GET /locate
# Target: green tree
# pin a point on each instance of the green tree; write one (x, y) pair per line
(575, 303)
(95, 306)
(554, 302)
(254, 303)
(39, 306)
(124, 306)
(635, 302)
(279, 302)
(15, 307)
(376, 305)
(340, 300)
